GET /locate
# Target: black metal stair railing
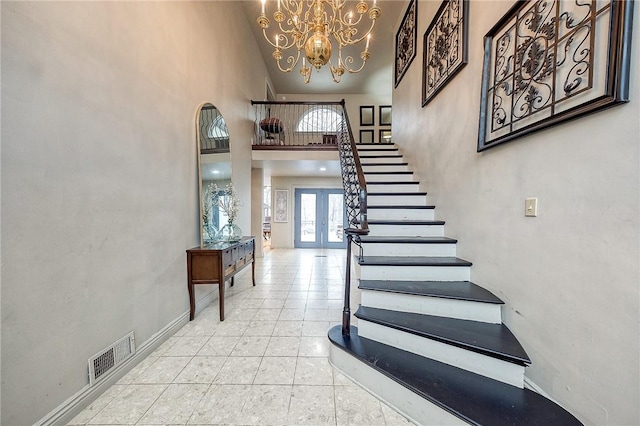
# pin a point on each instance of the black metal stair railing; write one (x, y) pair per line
(355, 198)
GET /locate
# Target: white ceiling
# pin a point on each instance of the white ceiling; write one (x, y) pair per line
(377, 75)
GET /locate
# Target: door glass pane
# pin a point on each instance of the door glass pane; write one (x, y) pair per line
(335, 215)
(308, 218)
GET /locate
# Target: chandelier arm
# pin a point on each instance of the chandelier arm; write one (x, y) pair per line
(291, 61)
(346, 42)
(345, 65)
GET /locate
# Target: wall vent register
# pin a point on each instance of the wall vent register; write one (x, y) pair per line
(110, 357)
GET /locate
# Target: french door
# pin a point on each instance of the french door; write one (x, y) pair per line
(319, 218)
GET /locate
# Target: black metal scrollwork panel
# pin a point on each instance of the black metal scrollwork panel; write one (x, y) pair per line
(548, 61)
(445, 47)
(406, 41)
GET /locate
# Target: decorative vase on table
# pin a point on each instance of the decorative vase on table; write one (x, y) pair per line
(230, 233)
(212, 233)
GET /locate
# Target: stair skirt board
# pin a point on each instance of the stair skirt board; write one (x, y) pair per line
(418, 199)
(393, 187)
(407, 249)
(388, 177)
(417, 409)
(493, 368)
(400, 213)
(441, 307)
(413, 273)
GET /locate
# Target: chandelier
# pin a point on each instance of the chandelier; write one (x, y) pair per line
(310, 31)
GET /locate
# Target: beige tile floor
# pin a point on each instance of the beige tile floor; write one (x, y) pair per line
(266, 364)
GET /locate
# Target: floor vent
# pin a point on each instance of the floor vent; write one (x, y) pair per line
(110, 357)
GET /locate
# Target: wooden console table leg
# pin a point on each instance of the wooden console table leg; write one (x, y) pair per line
(253, 272)
(192, 300)
(221, 297)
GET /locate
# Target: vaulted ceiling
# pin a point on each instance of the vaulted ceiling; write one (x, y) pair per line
(377, 76)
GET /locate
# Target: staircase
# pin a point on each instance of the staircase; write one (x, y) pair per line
(429, 341)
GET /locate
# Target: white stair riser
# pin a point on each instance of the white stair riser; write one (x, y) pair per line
(393, 159)
(389, 169)
(484, 365)
(394, 187)
(377, 146)
(437, 306)
(406, 230)
(419, 410)
(406, 249)
(413, 273)
(378, 151)
(400, 214)
(397, 200)
(390, 177)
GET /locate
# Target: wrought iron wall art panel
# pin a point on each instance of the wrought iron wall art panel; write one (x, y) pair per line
(406, 41)
(548, 61)
(445, 47)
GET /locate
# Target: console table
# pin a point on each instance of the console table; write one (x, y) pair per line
(215, 264)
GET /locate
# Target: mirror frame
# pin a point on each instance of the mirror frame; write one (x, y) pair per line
(199, 154)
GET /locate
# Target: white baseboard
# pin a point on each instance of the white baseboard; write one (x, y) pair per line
(70, 408)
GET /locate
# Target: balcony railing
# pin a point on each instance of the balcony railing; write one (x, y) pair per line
(297, 125)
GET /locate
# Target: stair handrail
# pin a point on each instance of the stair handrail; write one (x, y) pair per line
(355, 199)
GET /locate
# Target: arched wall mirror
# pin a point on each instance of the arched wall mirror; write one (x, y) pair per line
(215, 168)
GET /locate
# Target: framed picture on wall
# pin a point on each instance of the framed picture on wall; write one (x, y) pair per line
(385, 115)
(406, 41)
(281, 210)
(367, 115)
(385, 136)
(366, 136)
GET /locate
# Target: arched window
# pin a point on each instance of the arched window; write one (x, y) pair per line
(320, 120)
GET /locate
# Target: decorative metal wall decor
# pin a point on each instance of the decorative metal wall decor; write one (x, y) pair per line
(445, 47)
(549, 61)
(406, 41)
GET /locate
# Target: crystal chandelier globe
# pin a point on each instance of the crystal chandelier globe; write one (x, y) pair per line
(309, 29)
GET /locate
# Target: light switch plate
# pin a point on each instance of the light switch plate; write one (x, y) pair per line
(531, 207)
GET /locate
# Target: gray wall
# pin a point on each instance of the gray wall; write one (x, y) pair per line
(99, 179)
(570, 277)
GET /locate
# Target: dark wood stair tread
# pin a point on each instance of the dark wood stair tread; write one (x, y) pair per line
(412, 261)
(396, 207)
(408, 182)
(381, 156)
(398, 193)
(383, 164)
(458, 290)
(494, 340)
(473, 398)
(401, 172)
(405, 222)
(401, 239)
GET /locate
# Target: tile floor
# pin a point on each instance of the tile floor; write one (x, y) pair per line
(266, 364)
